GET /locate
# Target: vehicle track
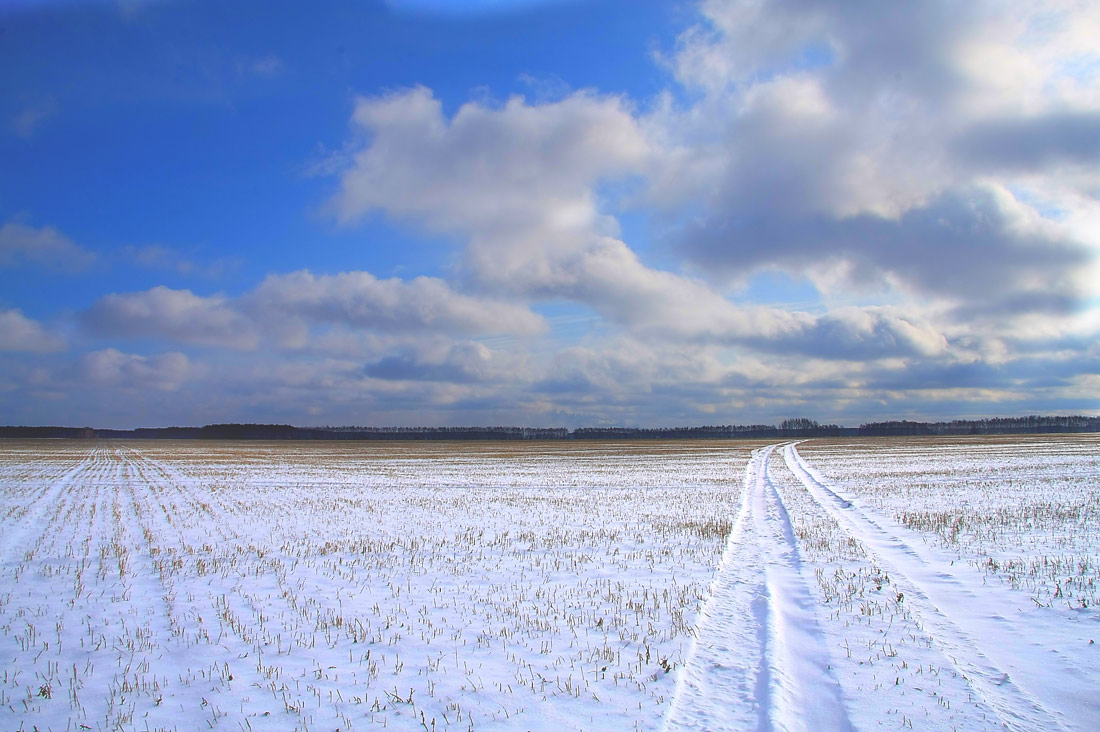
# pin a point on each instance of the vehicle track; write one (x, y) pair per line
(994, 650)
(759, 660)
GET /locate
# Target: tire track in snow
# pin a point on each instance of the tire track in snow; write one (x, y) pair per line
(759, 660)
(1030, 686)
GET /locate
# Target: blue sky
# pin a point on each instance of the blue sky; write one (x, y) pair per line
(548, 213)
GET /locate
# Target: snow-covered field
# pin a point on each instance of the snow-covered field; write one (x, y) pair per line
(873, 584)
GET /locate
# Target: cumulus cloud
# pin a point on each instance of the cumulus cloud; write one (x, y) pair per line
(287, 309)
(176, 315)
(20, 333)
(977, 246)
(109, 367)
(22, 245)
(625, 365)
(1052, 140)
(859, 334)
(360, 300)
(886, 141)
(463, 362)
(633, 381)
(520, 183)
(486, 166)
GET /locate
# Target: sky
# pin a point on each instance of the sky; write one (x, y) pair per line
(547, 212)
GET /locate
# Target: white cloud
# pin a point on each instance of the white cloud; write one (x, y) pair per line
(520, 183)
(487, 168)
(20, 333)
(177, 315)
(46, 247)
(461, 362)
(883, 143)
(360, 300)
(109, 367)
(291, 310)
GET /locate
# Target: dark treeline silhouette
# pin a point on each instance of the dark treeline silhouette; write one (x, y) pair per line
(289, 432)
(1032, 425)
(788, 428)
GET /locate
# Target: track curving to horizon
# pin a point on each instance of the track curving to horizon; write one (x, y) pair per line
(760, 660)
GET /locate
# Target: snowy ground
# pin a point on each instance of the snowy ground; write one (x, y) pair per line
(825, 585)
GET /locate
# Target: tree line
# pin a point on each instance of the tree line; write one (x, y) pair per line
(788, 428)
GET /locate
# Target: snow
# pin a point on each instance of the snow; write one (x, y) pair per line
(824, 585)
(989, 633)
(759, 647)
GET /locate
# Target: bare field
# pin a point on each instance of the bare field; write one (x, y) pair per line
(829, 584)
(1023, 509)
(325, 585)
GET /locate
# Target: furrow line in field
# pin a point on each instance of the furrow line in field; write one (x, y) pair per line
(171, 504)
(176, 497)
(759, 660)
(29, 527)
(172, 507)
(1029, 686)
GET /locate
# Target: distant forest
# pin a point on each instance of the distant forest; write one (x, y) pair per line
(788, 428)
